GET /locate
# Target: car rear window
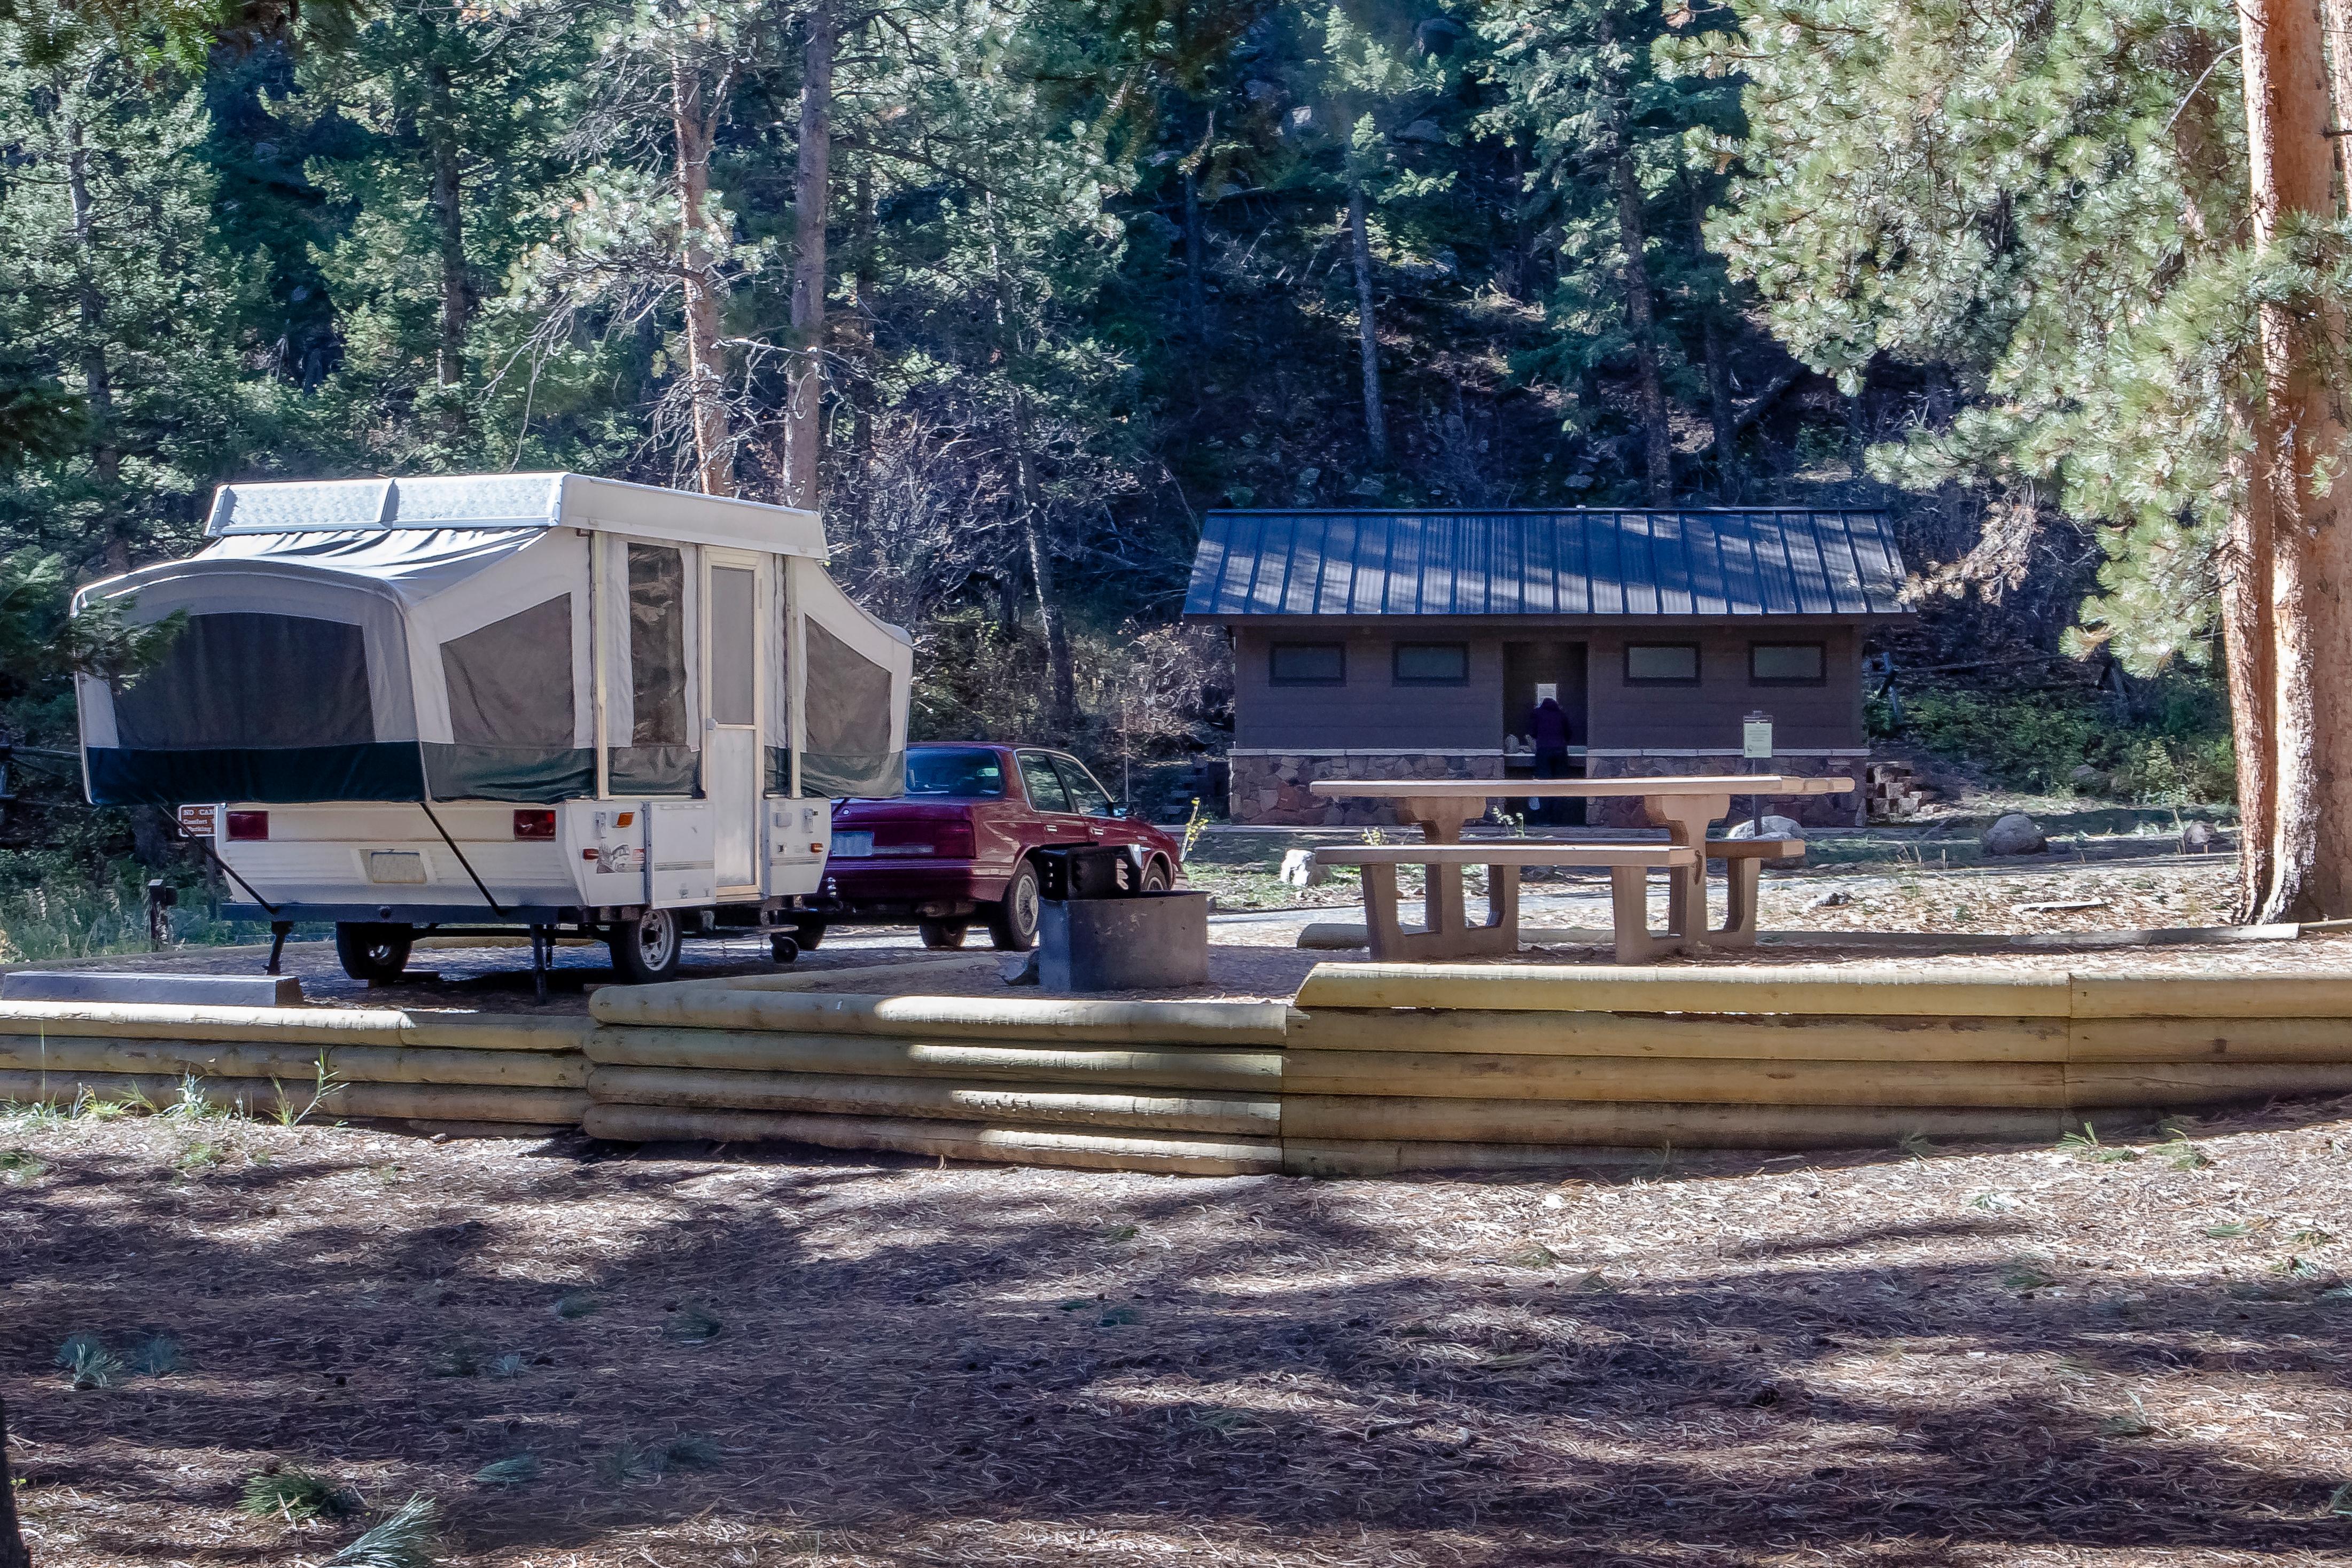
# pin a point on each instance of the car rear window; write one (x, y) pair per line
(955, 771)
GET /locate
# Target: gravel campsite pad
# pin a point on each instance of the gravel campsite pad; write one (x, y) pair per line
(2103, 1355)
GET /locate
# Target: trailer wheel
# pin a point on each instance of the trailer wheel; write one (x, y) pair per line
(808, 932)
(782, 948)
(1012, 919)
(372, 952)
(646, 949)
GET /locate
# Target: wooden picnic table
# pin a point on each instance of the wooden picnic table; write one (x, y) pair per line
(1684, 806)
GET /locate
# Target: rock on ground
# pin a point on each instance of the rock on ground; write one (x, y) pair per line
(2015, 833)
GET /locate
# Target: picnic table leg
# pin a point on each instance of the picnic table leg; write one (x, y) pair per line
(1629, 897)
(1739, 883)
(1444, 908)
(1685, 818)
(1386, 936)
(1503, 902)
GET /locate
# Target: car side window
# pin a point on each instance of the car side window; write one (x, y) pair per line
(1045, 792)
(1091, 799)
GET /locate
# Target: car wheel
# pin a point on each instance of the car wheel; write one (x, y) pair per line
(808, 934)
(646, 949)
(1155, 876)
(782, 947)
(1013, 923)
(371, 952)
(942, 933)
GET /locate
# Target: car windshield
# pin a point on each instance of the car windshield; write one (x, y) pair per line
(954, 771)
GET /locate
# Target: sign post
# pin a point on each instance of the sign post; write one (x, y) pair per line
(1755, 746)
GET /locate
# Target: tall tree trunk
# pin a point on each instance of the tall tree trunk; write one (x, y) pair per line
(2335, 16)
(1641, 318)
(706, 382)
(2243, 570)
(1368, 328)
(804, 421)
(862, 275)
(1640, 306)
(1061, 669)
(1196, 241)
(449, 227)
(98, 379)
(2300, 431)
(13, 1551)
(1719, 368)
(2242, 564)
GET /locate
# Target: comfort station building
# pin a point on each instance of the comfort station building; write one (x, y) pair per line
(1400, 645)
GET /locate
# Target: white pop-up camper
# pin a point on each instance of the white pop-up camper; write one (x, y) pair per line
(521, 701)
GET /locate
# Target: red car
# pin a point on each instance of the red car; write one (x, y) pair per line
(961, 845)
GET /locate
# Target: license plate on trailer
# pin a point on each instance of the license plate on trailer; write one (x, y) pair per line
(853, 846)
(397, 866)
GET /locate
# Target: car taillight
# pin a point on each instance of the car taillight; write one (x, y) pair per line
(534, 824)
(248, 825)
(954, 839)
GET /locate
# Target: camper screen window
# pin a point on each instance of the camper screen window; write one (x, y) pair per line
(657, 644)
(249, 680)
(511, 682)
(848, 718)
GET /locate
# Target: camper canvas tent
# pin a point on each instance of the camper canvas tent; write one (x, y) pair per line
(533, 639)
(444, 639)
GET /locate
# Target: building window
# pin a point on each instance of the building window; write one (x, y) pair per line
(1662, 663)
(1433, 664)
(1787, 664)
(1308, 664)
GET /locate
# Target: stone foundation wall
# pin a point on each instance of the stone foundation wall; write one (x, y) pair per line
(1807, 810)
(1271, 788)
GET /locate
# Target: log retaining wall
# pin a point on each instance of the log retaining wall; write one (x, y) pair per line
(1373, 1069)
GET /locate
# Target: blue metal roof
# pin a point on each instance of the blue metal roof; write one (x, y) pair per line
(1582, 561)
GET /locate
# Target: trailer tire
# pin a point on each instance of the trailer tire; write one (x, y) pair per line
(646, 950)
(1012, 919)
(372, 952)
(808, 934)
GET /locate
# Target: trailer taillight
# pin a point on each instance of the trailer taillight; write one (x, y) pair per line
(535, 825)
(247, 825)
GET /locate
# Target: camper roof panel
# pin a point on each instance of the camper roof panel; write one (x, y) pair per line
(514, 501)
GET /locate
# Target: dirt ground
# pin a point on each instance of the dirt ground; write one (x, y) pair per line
(1931, 1357)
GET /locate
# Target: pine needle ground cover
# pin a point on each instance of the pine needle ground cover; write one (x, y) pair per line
(2105, 1352)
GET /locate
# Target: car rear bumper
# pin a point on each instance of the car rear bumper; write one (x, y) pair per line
(893, 890)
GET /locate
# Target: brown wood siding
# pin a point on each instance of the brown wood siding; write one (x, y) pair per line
(1370, 712)
(1708, 715)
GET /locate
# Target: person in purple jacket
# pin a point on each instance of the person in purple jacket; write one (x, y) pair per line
(1547, 734)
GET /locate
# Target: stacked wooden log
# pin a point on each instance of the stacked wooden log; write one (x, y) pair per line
(1889, 792)
(330, 1063)
(1403, 1067)
(1174, 1087)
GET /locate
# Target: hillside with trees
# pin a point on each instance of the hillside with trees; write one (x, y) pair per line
(1015, 289)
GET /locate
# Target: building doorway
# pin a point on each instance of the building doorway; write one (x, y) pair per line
(1531, 672)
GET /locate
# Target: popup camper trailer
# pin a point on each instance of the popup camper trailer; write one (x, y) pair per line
(538, 701)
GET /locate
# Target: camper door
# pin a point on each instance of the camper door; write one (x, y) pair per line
(733, 681)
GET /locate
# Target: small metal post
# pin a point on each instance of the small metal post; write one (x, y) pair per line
(538, 946)
(1755, 746)
(278, 930)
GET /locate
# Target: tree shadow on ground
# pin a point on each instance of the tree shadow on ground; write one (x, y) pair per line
(882, 1347)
